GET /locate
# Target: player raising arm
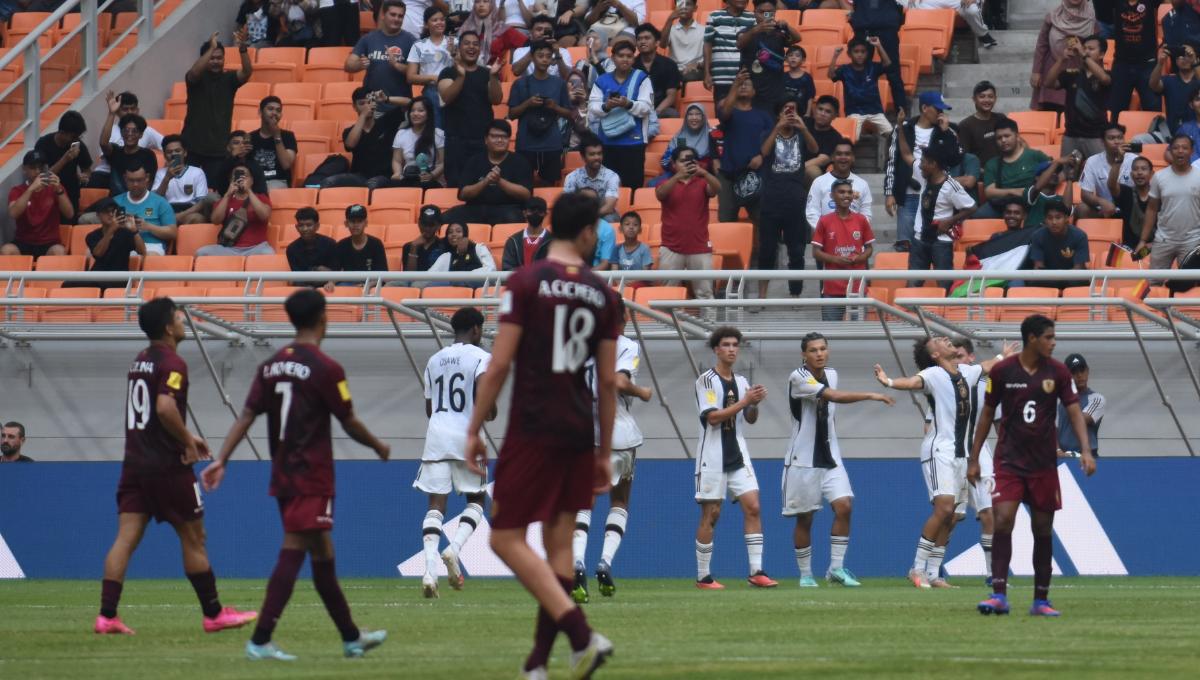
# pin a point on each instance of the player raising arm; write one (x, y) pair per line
(948, 387)
(1027, 387)
(554, 316)
(727, 403)
(813, 465)
(156, 478)
(627, 437)
(451, 378)
(299, 388)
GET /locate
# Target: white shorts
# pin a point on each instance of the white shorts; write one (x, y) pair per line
(804, 487)
(443, 476)
(623, 461)
(714, 485)
(947, 477)
(981, 493)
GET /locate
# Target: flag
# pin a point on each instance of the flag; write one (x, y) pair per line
(1118, 253)
(1004, 251)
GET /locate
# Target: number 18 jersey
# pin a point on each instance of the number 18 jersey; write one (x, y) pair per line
(564, 311)
(450, 388)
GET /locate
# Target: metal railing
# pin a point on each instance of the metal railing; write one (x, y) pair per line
(29, 51)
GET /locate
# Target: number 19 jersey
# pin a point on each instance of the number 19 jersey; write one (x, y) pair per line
(158, 370)
(450, 388)
(564, 311)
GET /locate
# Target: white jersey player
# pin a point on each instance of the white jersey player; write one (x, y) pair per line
(980, 493)
(727, 403)
(813, 465)
(450, 378)
(626, 438)
(949, 388)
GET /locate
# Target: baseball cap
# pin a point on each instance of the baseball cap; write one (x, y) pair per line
(33, 159)
(1076, 362)
(104, 205)
(356, 212)
(934, 99)
(430, 214)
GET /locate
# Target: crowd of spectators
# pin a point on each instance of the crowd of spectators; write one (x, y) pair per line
(431, 77)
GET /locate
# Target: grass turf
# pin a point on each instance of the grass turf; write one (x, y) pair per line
(1111, 627)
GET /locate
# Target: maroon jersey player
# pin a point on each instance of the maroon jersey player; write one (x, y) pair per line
(299, 388)
(1026, 388)
(555, 315)
(156, 477)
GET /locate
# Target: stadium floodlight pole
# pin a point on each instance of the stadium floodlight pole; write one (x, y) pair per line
(662, 400)
(1166, 401)
(212, 370)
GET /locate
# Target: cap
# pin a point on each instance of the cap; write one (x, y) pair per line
(104, 205)
(34, 159)
(356, 212)
(1041, 167)
(1076, 363)
(536, 203)
(934, 99)
(430, 214)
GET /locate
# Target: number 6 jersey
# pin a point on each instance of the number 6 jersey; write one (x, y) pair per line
(1027, 439)
(564, 311)
(157, 370)
(450, 389)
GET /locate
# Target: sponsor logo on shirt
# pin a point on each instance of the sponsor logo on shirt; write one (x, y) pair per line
(175, 380)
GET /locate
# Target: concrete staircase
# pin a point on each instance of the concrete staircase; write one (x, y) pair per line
(1007, 65)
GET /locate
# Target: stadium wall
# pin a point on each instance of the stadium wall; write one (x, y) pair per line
(1135, 516)
(69, 395)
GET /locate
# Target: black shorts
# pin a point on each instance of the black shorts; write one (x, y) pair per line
(546, 164)
(35, 250)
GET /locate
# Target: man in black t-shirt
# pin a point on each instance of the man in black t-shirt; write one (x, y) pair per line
(495, 184)
(360, 252)
(274, 148)
(110, 245)
(664, 73)
(210, 93)
(420, 253)
(1080, 71)
(1135, 27)
(312, 252)
(12, 437)
(820, 125)
(763, 48)
(66, 155)
(468, 92)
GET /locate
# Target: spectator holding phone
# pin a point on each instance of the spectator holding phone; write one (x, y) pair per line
(244, 216)
(1097, 200)
(184, 186)
(38, 206)
(762, 54)
(383, 54)
(1131, 201)
(151, 213)
(1178, 87)
(66, 155)
(110, 245)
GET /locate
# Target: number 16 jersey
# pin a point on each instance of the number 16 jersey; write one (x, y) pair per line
(450, 388)
(564, 311)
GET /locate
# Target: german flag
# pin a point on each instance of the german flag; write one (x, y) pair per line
(1142, 289)
(1118, 253)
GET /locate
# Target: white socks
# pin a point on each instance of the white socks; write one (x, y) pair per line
(985, 541)
(431, 530)
(924, 546)
(466, 526)
(614, 531)
(837, 551)
(804, 561)
(583, 522)
(933, 567)
(703, 558)
(754, 549)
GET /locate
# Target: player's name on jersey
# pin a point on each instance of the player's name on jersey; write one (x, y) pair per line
(142, 367)
(448, 361)
(291, 369)
(573, 290)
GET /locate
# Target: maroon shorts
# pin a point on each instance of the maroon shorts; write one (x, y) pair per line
(1040, 489)
(172, 497)
(306, 513)
(534, 486)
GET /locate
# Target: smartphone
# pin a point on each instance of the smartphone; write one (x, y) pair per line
(769, 16)
(1135, 147)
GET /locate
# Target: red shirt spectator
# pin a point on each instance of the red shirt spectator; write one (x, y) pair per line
(685, 217)
(846, 237)
(37, 206)
(256, 226)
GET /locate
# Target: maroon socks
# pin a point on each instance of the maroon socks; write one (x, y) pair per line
(1001, 556)
(279, 591)
(205, 585)
(325, 579)
(110, 596)
(1043, 550)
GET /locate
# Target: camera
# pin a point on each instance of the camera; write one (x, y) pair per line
(1135, 147)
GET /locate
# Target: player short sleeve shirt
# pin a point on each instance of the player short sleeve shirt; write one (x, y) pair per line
(450, 379)
(813, 444)
(299, 389)
(950, 399)
(1027, 435)
(564, 311)
(156, 371)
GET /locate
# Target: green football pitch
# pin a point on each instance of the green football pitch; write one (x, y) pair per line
(1110, 628)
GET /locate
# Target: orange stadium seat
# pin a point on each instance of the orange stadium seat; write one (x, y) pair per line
(845, 126)
(939, 19)
(344, 313)
(328, 55)
(1103, 230)
(279, 55)
(336, 109)
(166, 126)
(1019, 313)
(252, 93)
(229, 312)
(71, 314)
(443, 198)
(341, 92)
(921, 292)
(192, 237)
(977, 231)
(268, 263)
(295, 197)
(1035, 125)
(275, 73)
(647, 294)
(447, 293)
(289, 91)
(117, 314)
(318, 128)
(733, 241)
(395, 295)
(167, 263)
(24, 313)
(501, 232)
(1137, 122)
(1083, 313)
(56, 263)
(16, 263)
(977, 313)
(218, 263)
(399, 234)
(77, 242)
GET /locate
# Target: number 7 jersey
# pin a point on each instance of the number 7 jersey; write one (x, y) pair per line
(450, 377)
(564, 311)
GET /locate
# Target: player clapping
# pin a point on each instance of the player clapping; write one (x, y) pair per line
(727, 403)
(813, 464)
(451, 377)
(299, 388)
